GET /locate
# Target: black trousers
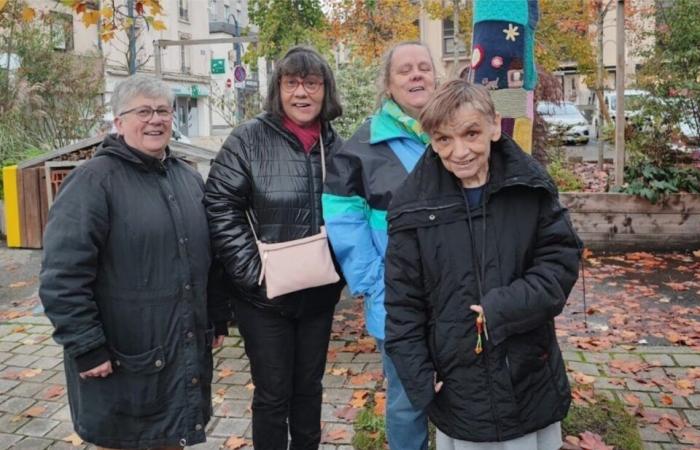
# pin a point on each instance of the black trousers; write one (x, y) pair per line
(287, 361)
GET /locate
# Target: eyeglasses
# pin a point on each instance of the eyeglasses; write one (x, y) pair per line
(311, 84)
(145, 113)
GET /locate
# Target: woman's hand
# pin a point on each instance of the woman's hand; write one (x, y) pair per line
(101, 371)
(477, 309)
(218, 341)
(436, 384)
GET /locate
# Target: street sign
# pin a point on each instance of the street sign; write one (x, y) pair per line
(194, 91)
(228, 82)
(239, 73)
(218, 66)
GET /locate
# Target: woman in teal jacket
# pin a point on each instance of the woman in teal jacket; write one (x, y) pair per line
(360, 181)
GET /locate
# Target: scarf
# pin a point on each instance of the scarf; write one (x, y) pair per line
(407, 123)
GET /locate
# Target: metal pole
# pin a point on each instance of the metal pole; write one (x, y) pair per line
(158, 63)
(620, 96)
(132, 37)
(239, 93)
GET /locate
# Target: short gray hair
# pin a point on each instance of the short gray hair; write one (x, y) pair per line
(384, 75)
(139, 85)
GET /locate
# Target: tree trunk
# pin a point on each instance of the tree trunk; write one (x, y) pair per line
(603, 117)
(455, 36)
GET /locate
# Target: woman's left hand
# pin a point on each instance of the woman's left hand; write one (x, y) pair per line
(477, 309)
(218, 341)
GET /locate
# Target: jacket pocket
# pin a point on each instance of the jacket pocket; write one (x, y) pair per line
(137, 382)
(527, 358)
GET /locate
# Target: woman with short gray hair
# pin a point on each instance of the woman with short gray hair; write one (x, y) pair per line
(125, 281)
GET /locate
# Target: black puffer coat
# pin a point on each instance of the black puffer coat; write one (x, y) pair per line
(530, 255)
(262, 166)
(125, 277)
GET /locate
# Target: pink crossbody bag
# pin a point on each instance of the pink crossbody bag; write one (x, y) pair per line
(298, 264)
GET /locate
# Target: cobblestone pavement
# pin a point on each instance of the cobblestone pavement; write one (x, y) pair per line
(34, 413)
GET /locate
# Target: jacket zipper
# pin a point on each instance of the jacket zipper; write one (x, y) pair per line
(424, 208)
(311, 191)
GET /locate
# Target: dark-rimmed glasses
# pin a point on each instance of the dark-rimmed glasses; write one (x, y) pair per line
(145, 113)
(311, 84)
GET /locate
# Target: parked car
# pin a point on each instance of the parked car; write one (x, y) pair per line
(634, 103)
(565, 120)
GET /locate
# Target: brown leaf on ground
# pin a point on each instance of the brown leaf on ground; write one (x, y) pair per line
(363, 378)
(379, 403)
(631, 399)
(678, 287)
(347, 413)
(34, 411)
(250, 386)
(694, 373)
(21, 374)
(336, 435)
(688, 436)
(9, 315)
(339, 371)
(19, 329)
(225, 372)
(18, 284)
(53, 392)
(359, 399)
(582, 378)
(221, 391)
(632, 367)
(668, 423)
(571, 443)
(593, 441)
(74, 440)
(666, 400)
(362, 345)
(235, 442)
(583, 396)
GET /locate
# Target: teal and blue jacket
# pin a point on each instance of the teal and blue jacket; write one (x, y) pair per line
(360, 180)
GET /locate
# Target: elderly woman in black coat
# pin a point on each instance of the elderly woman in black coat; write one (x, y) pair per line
(481, 258)
(125, 281)
(266, 184)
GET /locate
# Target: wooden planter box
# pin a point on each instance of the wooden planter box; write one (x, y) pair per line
(622, 222)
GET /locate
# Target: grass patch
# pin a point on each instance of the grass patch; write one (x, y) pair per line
(607, 418)
(369, 430)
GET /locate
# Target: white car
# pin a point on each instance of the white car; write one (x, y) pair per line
(566, 120)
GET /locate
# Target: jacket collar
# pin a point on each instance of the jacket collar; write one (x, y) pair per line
(114, 145)
(384, 128)
(432, 186)
(277, 125)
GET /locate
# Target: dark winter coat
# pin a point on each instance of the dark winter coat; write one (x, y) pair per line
(530, 255)
(262, 167)
(125, 278)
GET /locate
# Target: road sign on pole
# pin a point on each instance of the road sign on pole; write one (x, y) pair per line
(218, 66)
(239, 73)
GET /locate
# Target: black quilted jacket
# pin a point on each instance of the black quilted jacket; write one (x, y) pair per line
(262, 167)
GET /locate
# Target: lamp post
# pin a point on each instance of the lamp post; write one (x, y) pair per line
(237, 49)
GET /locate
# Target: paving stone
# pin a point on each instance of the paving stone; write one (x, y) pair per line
(32, 443)
(6, 385)
(233, 408)
(16, 405)
(374, 367)
(40, 319)
(330, 380)
(41, 329)
(651, 434)
(687, 360)
(634, 385)
(665, 349)
(48, 362)
(27, 349)
(239, 393)
(678, 401)
(238, 378)
(21, 360)
(211, 444)
(345, 438)
(586, 368)
(694, 401)
(228, 427)
(354, 368)
(342, 357)
(609, 383)
(596, 357)
(63, 445)
(659, 359)
(48, 408)
(572, 356)
(14, 337)
(652, 446)
(8, 346)
(668, 411)
(9, 422)
(693, 416)
(51, 350)
(58, 378)
(643, 396)
(61, 431)
(627, 357)
(38, 427)
(230, 352)
(338, 396)
(366, 358)
(233, 364)
(7, 440)
(63, 414)
(4, 356)
(26, 389)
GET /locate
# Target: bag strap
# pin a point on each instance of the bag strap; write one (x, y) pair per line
(323, 178)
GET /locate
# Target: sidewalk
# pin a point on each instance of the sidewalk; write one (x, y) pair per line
(34, 413)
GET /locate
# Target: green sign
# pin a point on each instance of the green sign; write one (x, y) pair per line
(218, 66)
(195, 91)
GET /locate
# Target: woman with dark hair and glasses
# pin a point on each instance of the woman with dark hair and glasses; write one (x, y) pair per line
(269, 175)
(125, 280)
